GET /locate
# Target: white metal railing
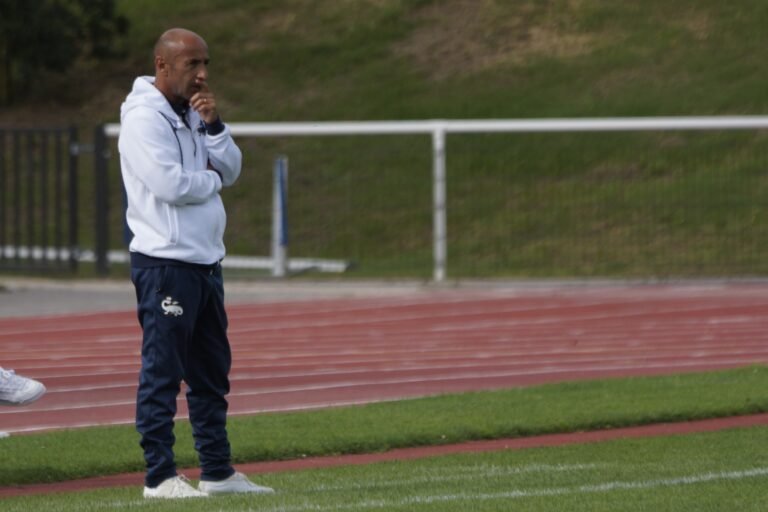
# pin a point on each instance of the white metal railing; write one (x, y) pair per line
(439, 128)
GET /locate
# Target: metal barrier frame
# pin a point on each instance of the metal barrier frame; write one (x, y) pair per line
(438, 129)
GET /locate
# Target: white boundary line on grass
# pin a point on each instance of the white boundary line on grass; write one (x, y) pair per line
(531, 493)
(512, 494)
(462, 475)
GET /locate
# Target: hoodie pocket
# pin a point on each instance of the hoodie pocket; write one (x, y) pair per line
(172, 217)
(221, 225)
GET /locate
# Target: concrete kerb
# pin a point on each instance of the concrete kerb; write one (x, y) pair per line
(29, 296)
(33, 296)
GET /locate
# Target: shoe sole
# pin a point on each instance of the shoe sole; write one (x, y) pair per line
(173, 497)
(27, 400)
(211, 492)
(156, 497)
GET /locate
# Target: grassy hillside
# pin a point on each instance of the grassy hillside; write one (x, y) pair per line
(658, 204)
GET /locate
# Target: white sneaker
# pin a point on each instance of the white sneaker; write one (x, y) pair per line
(174, 487)
(18, 390)
(237, 483)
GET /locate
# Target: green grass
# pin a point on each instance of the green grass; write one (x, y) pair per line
(702, 472)
(626, 205)
(564, 407)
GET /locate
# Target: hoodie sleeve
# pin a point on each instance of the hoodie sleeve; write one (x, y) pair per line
(224, 155)
(147, 144)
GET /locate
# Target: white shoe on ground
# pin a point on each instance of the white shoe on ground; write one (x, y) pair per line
(18, 390)
(174, 487)
(237, 483)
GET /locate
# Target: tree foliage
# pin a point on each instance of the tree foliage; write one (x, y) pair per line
(50, 35)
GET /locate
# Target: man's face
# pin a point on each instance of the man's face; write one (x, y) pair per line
(188, 70)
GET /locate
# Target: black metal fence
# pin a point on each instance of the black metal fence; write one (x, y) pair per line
(39, 199)
(101, 156)
(638, 205)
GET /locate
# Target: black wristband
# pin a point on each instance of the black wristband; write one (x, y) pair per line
(215, 127)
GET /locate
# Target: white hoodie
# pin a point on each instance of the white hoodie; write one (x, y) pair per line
(174, 207)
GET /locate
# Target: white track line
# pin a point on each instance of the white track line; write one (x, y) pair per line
(379, 331)
(472, 376)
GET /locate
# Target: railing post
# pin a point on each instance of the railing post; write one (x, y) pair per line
(439, 203)
(100, 157)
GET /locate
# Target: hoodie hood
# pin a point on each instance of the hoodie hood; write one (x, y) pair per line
(145, 94)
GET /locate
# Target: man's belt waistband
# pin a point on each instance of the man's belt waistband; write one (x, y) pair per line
(140, 260)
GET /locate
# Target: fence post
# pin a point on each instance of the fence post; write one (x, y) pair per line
(3, 197)
(279, 217)
(100, 159)
(74, 152)
(439, 204)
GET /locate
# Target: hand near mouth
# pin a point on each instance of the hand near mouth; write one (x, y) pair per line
(204, 102)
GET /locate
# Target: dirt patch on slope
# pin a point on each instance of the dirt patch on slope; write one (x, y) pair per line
(460, 36)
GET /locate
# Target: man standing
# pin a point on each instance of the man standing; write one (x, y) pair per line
(176, 154)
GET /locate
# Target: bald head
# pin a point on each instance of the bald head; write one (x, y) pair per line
(181, 64)
(175, 40)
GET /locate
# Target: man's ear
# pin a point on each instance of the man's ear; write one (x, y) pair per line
(160, 65)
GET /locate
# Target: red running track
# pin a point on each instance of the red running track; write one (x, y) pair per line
(331, 352)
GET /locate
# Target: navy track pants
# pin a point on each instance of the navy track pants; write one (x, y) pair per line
(181, 312)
